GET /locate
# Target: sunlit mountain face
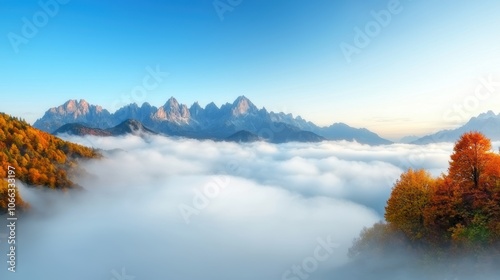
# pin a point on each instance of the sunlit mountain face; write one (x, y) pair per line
(211, 122)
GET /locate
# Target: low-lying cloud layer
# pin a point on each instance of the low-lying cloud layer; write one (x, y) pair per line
(166, 208)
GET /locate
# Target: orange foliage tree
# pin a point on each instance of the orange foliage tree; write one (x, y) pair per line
(469, 160)
(405, 207)
(457, 211)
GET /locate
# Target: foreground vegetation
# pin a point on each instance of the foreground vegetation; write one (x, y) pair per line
(453, 217)
(39, 158)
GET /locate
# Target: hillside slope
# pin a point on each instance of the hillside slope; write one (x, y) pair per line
(39, 158)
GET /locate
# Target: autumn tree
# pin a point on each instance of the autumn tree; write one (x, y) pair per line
(409, 197)
(455, 214)
(475, 168)
(470, 159)
(492, 172)
(443, 211)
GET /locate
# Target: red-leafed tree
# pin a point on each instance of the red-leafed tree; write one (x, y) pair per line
(470, 159)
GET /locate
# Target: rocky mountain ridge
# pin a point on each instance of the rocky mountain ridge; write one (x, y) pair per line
(487, 123)
(174, 118)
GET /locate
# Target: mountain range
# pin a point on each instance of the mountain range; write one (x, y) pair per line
(487, 123)
(237, 121)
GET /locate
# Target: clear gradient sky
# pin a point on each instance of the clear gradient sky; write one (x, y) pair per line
(412, 77)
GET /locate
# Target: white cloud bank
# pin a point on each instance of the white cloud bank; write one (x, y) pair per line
(186, 209)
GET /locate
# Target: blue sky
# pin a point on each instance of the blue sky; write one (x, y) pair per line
(419, 72)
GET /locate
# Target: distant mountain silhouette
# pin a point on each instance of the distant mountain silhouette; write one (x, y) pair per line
(408, 139)
(81, 130)
(210, 122)
(341, 131)
(126, 127)
(243, 136)
(487, 123)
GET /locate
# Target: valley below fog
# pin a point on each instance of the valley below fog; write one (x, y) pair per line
(165, 208)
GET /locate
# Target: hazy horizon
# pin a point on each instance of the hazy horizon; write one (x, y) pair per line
(378, 64)
(393, 137)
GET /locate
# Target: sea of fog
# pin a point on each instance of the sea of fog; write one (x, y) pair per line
(164, 208)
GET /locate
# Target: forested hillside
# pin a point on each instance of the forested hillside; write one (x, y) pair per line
(38, 158)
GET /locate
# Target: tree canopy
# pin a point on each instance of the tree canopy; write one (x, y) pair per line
(405, 207)
(471, 157)
(458, 212)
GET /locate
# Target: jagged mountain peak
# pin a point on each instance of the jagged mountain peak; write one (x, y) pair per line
(195, 109)
(487, 115)
(83, 102)
(211, 106)
(196, 105)
(242, 106)
(72, 106)
(73, 111)
(173, 111)
(172, 103)
(75, 102)
(241, 98)
(76, 107)
(174, 118)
